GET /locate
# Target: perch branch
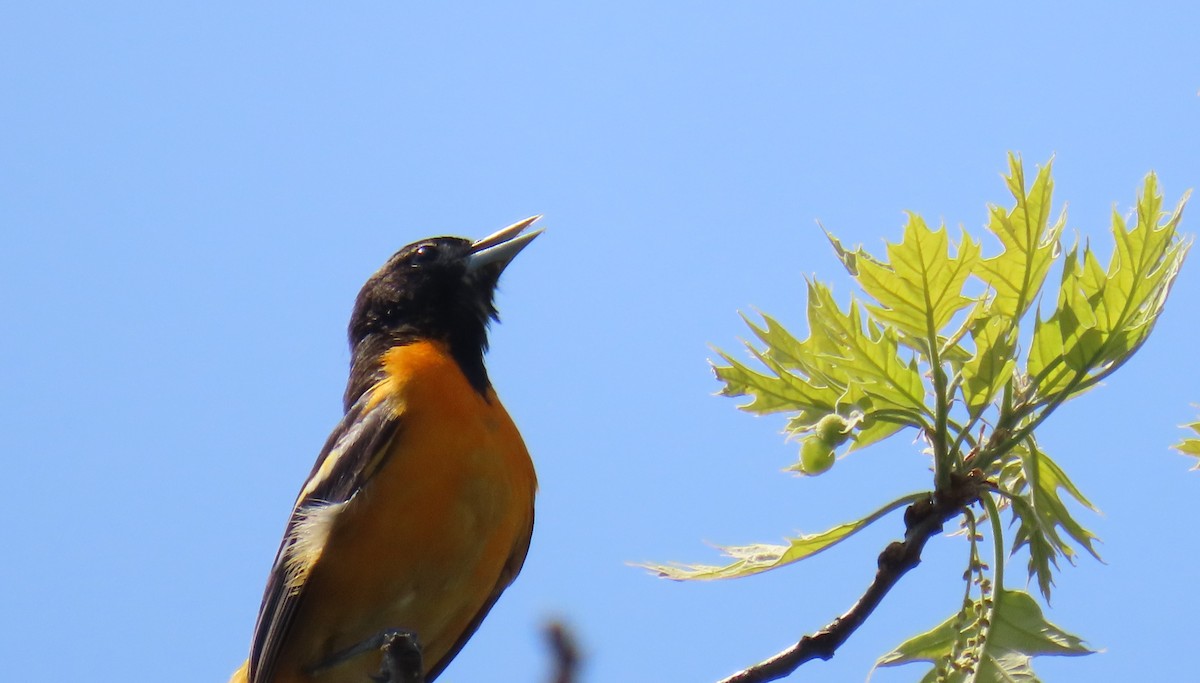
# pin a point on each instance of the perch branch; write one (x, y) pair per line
(922, 520)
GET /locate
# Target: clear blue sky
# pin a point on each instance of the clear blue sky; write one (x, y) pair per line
(191, 195)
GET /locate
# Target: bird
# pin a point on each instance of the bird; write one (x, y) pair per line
(419, 510)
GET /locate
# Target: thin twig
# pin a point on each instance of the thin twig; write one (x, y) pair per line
(565, 652)
(922, 521)
(401, 659)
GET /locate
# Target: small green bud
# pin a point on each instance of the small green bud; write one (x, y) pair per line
(816, 455)
(833, 429)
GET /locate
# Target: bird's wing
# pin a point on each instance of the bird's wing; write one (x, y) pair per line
(353, 453)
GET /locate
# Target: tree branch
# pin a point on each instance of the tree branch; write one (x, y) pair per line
(922, 520)
(565, 652)
(402, 661)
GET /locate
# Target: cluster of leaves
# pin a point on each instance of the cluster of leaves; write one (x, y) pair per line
(928, 347)
(994, 636)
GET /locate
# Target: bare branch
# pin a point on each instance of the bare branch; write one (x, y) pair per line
(565, 651)
(922, 521)
(401, 659)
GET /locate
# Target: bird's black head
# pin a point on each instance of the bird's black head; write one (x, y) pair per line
(440, 289)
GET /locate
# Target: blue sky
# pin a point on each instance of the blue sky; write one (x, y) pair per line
(192, 194)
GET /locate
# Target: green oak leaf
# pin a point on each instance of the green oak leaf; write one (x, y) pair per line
(847, 364)
(1013, 632)
(918, 290)
(864, 360)
(1144, 264)
(1191, 445)
(761, 557)
(780, 391)
(1041, 513)
(1102, 317)
(992, 364)
(1030, 243)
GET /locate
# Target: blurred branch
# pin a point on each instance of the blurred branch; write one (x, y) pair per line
(922, 520)
(564, 651)
(402, 656)
(402, 661)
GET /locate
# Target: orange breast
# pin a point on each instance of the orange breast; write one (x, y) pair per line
(441, 526)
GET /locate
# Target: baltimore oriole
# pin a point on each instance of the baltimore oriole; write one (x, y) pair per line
(419, 510)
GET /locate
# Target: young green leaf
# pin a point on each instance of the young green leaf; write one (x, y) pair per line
(1035, 535)
(992, 364)
(1143, 265)
(1042, 512)
(1190, 446)
(845, 364)
(866, 361)
(773, 393)
(919, 288)
(1069, 344)
(754, 559)
(1016, 632)
(1103, 317)
(1030, 243)
(806, 357)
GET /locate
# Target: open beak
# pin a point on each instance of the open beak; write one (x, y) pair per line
(500, 247)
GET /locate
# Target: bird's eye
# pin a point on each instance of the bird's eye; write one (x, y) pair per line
(424, 255)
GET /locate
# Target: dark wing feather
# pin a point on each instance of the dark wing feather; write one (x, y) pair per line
(351, 456)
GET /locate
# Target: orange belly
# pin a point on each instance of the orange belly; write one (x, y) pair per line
(425, 545)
